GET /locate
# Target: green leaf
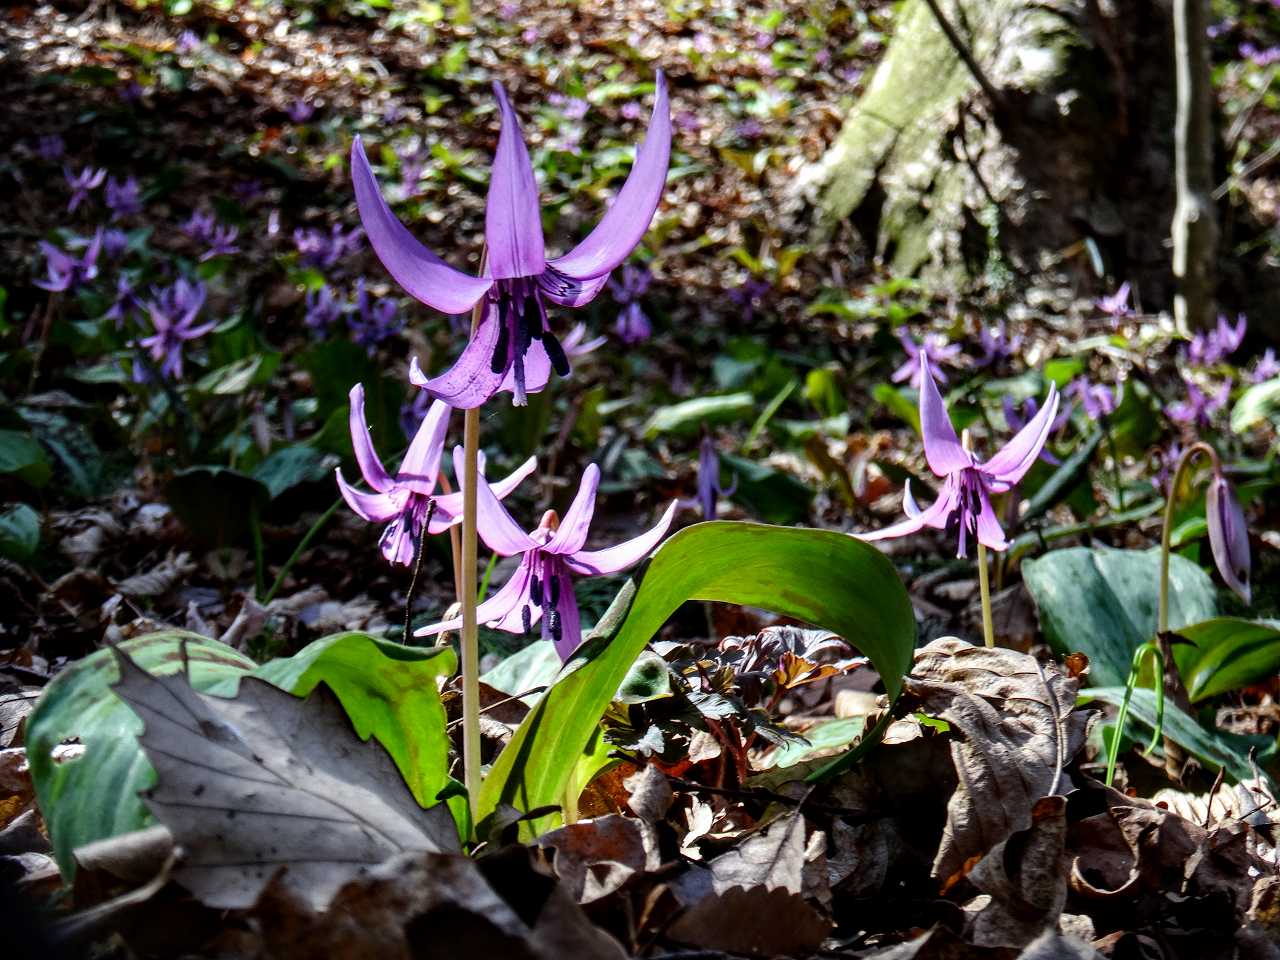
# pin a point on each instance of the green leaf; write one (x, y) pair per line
(1227, 653)
(388, 690)
(686, 419)
(1102, 603)
(533, 666)
(22, 454)
(898, 403)
(1059, 485)
(19, 532)
(768, 493)
(239, 376)
(292, 466)
(1258, 404)
(829, 735)
(215, 503)
(96, 795)
(828, 579)
(1213, 748)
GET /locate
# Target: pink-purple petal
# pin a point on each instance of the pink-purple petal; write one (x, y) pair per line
(570, 620)
(370, 466)
(1012, 461)
(990, 533)
(568, 292)
(421, 465)
(501, 611)
(419, 271)
(626, 554)
(627, 220)
(471, 380)
(374, 507)
(513, 218)
(576, 523)
(1228, 536)
(942, 448)
(935, 515)
(537, 370)
(497, 528)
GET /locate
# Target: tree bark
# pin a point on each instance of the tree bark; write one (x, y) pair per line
(1195, 222)
(1072, 160)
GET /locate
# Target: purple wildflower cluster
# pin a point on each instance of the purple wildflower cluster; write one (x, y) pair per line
(633, 324)
(324, 251)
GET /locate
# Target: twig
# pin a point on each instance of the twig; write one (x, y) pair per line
(988, 88)
(501, 703)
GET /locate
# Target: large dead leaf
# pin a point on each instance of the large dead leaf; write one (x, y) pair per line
(1014, 729)
(265, 783)
(757, 921)
(593, 858)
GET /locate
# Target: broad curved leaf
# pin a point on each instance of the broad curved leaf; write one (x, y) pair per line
(828, 579)
(1102, 603)
(1227, 653)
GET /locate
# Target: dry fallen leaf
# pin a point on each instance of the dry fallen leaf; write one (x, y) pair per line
(265, 783)
(1014, 727)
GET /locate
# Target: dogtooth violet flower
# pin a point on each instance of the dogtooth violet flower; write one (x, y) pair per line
(1198, 408)
(709, 478)
(964, 506)
(67, 272)
(1116, 305)
(1017, 419)
(81, 183)
(1207, 349)
(173, 312)
(402, 501)
(541, 589)
(518, 280)
(934, 350)
(1228, 535)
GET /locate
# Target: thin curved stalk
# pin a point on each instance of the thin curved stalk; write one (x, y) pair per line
(1166, 533)
(1135, 669)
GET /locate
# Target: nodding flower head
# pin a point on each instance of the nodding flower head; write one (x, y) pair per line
(963, 507)
(1228, 535)
(514, 336)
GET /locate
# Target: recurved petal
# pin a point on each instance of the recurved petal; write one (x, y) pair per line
(471, 380)
(497, 528)
(502, 610)
(509, 483)
(942, 448)
(421, 464)
(374, 507)
(1228, 536)
(626, 554)
(512, 219)
(566, 291)
(370, 466)
(577, 519)
(935, 515)
(1013, 460)
(419, 271)
(625, 222)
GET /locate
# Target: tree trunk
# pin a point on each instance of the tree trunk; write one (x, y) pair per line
(1071, 158)
(1195, 220)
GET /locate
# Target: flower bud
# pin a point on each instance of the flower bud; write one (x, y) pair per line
(1228, 535)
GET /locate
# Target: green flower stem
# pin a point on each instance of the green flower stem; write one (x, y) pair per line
(298, 550)
(984, 587)
(1166, 534)
(1113, 752)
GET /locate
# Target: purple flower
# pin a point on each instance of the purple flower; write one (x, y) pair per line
(199, 227)
(575, 108)
(935, 351)
(631, 110)
(964, 505)
(1096, 399)
(173, 311)
(413, 163)
(51, 147)
(222, 243)
(541, 589)
(997, 347)
(401, 503)
(1017, 419)
(1228, 535)
(66, 272)
(124, 199)
(81, 184)
(300, 111)
(1198, 408)
(323, 309)
(114, 242)
(1266, 368)
(315, 249)
(123, 303)
(576, 344)
(1168, 464)
(514, 335)
(1207, 349)
(188, 42)
(749, 296)
(373, 323)
(633, 325)
(749, 130)
(709, 478)
(1116, 306)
